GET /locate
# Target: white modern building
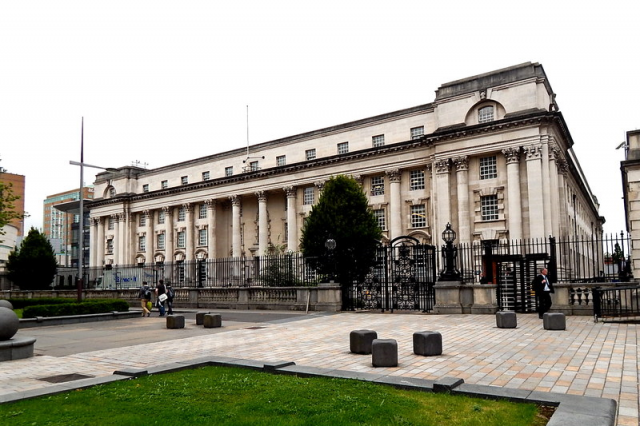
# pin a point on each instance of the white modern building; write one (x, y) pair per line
(492, 155)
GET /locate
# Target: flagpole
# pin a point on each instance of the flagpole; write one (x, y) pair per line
(81, 215)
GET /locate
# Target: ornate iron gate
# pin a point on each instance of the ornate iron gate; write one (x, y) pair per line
(402, 278)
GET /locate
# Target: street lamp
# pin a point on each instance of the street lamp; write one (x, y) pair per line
(449, 253)
(82, 165)
(330, 244)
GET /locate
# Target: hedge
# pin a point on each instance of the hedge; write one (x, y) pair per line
(22, 303)
(83, 308)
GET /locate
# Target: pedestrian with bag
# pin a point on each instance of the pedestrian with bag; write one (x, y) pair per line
(161, 294)
(543, 289)
(145, 297)
(170, 295)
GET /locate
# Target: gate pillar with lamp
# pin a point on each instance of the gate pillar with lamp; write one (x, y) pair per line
(449, 286)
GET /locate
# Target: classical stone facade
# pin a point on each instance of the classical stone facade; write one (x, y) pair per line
(630, 168)
(491, 155)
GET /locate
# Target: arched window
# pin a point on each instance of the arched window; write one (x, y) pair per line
(485, 114)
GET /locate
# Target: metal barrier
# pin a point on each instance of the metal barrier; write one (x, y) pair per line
(616, 302)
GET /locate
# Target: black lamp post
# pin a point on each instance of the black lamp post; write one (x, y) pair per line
(330, 245)
(449, 256)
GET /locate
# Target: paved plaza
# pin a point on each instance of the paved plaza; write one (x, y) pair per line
(588, 359)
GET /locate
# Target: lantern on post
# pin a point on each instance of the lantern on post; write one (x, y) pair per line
(449, 256)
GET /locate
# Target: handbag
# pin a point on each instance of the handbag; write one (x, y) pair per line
(162, 297)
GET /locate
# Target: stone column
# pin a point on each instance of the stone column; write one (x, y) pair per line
(190, 244)
(546, 185)
(263, 223)
(292, 217)
(554, 152)
(442, 195)
(514, 206)
(534, 184)
(93, 231)
(128, 235)
(119, 236)
(99, 243)
(211, 228)
(168, 237)
(149, 236)
(236, 240)
(395, 203)
(464, 218)
(563, 222)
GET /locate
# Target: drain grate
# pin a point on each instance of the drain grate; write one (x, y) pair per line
(61, 378)
(255, 328)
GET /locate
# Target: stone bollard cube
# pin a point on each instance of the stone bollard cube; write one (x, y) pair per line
(554, 321)
(384, 353)
(175, 321)
(212, 321)
(427, 343)
(200, 317)
(360, 341)
(506, 319)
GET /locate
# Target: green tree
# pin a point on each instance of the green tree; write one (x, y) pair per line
(7, 206)
(342, 214)
(33, 265)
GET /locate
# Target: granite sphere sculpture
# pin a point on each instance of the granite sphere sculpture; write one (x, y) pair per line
(9, 323)
(5, 304)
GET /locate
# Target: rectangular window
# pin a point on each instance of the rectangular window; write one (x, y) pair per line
(145, 188)
(489, 207)
(253, 166)
(377, 141)
(381, 218)
(184, 180)
(164, 184)
(343, 147)
(202, 237)
(182, 237)
(202, 212)
(488, 168)
(161, 217)
(228, 171)
(418, 216)
(281, 160)
(417, 180)
(307, 199)
(160, 241)
(377, 185)
(206, 175)
(110, 246)
(112, 223)
(416, 132)
(142, 243)
(485, 114)
(310, 154)
(143, 219)
(182, 213)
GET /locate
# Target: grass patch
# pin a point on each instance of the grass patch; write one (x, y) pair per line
(238, 396)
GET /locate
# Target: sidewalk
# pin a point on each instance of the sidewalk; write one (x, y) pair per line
(587, 359)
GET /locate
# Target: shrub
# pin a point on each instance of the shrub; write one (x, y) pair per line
(83, 308)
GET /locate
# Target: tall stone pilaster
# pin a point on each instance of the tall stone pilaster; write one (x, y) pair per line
(514, 206)
(464, 217)
(395, 204)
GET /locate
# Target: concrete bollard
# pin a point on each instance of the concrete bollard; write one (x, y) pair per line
(175, 321)
(384, 353)
(506, 319)
(212, 321)
(427, 343)
(360, 341)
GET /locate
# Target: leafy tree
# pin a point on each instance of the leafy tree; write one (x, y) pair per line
(7, 206)
(342, 214)
(33, 265)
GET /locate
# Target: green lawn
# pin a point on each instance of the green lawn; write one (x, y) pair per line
(237, 396)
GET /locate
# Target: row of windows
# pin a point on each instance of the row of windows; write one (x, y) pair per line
(281, 160)
(181, 241)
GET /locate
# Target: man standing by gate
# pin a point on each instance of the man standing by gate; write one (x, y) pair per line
(543, 288)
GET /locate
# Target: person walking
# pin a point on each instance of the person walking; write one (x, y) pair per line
(543, 289)
(170, 295)
(161, 297)
(145, 296)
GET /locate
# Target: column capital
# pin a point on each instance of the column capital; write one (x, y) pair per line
(443, 166)
(290, 190)
(319, 184)
(235, 200)
(186, 206)
(262, 196)
(533, 152)
(210, 203)
(95, 221)
(554, 153)
(393, 175)
(358, 178)
(563, 167)
(166, 209)
(146, 213)
(461, 163)
(512, 154)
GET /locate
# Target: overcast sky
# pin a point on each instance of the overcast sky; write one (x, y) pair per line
(166, 81)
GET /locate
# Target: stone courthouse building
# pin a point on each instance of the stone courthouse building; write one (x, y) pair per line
(492, 155)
